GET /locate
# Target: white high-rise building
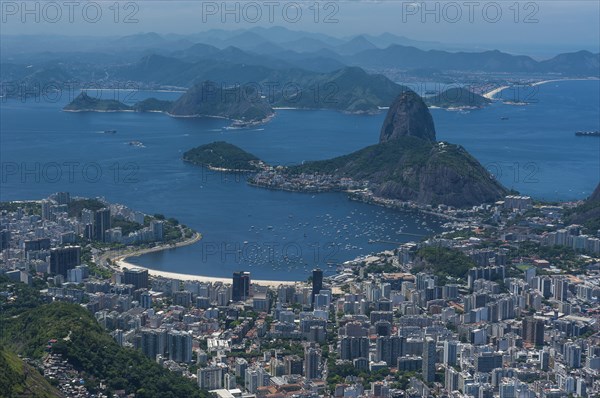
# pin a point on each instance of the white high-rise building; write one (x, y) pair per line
(256, 377)
(450, 352)
(210, 378)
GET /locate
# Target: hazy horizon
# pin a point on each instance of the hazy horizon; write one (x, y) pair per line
(537, 28)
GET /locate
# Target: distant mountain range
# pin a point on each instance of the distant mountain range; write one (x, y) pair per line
(262, 56)
(582, 63)
(349, 89)
(279, 47)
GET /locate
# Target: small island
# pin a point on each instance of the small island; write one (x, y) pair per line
(350, 90)
(84, 103)
(457, 98)
(222, 156)
(242, 104)
(244, 107)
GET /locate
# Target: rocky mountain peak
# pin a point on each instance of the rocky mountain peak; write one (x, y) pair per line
(408, 116)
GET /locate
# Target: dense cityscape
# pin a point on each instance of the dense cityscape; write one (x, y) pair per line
(290, 199)
(505, 304)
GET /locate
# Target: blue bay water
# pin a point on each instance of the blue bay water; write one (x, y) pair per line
(282, 235)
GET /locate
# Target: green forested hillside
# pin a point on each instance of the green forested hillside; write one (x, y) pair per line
(221, 155)
(28, 324)
(18, 379)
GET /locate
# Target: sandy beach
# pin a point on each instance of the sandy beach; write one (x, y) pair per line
(120, 261)
(490, 95)
(560, 80)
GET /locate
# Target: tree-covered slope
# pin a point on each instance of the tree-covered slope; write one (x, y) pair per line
(587, 214)
(409, 168)
(18, 379)
(457, 97)
(349, 89)
(243, 103)
(28, 324)
(221, 155)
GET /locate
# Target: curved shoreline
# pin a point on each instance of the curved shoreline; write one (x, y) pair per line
(564, 80)
(492, 94)
(246, 124)
(120, 263)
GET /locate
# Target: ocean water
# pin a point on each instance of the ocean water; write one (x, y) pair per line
(274, 234)
(535, 151)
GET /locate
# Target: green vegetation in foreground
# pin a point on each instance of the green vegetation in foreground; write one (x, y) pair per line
(18, 379)
(28, 325)
(443, 262)
(221, 155)
(457, 97)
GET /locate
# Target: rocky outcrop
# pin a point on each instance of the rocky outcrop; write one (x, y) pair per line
(408, 163)
(587, 214)
(596, 195)
(408, 117)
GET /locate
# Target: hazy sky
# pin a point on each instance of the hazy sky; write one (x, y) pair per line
(525, 24)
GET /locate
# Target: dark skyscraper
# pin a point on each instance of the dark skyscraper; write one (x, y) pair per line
(293, 365)
(317, 283)
(101, 224)
(63, 259)
(429, 360)
(485, 362)
(450, 352)
(5, 240)
(63, 198)
(312, 360)
(533, 331)
(389, 349)
(137, 277)
(240, 289)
